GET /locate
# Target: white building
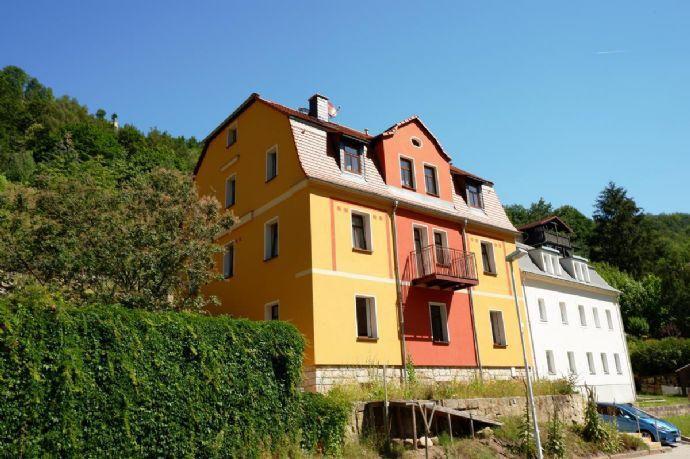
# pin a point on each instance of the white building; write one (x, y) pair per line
(574, 317)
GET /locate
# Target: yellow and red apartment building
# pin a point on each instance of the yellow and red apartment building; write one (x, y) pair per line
(375, 247)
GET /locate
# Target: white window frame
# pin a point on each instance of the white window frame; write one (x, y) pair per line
(234, 256)
(444, 244)
(444, 317)
(231, 178)
(414, 171)
(550, 362)
(543, 317)
(438, 188)
(583, 315)
(368, 236)
(617, 362)
(272, 149)
(590, 364)
(609, 319)
(266, 241)
(503, 329)
(492, 257)
(372, 317)
(563, 307)
(605, 362)
(572, 364)
(413, 138)
(268, 310)
(595, 314)
(362, 161)
(425, 234)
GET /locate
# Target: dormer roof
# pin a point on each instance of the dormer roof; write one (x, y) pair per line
(415, 119)
(551, 219)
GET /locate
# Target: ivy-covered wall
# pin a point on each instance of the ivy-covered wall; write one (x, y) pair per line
(108, 381)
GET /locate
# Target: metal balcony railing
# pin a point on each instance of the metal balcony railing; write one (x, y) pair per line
(443, 267)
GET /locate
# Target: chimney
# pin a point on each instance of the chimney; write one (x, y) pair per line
(318, 107)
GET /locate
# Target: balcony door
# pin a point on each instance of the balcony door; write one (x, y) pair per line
(423, 254)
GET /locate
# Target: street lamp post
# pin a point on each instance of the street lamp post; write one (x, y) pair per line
(510, 258)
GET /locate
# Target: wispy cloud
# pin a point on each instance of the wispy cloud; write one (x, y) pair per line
(612, 51)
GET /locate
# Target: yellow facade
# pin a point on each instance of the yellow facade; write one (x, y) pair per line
(495, 293)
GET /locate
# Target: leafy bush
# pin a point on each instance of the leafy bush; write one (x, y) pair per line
(109, 381)
(555, 445)
(657, 357)
(638, 326)
(324, 419)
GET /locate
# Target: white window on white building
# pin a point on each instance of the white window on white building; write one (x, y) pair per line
(571, 363)
(564, 313)
(542, 310)
(617, 362)
(550, 364)
(609, 320)
(583, 317)
(590, 363)
(605, 363)
(595, 313)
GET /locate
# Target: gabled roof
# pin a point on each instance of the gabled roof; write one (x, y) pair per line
(414, 118)
(544, 221)
(254, 97)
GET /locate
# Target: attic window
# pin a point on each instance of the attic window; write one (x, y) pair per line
(474, 195)
(417, 143)
(352, 157)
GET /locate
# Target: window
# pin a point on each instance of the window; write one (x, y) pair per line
(416, 142)
(564, 312)
(595, 313)
(441, 247)
(271, 239)
(581, 271)
(232, 136)
(430, 180)
(406, 173)
(497, 329)
(583, 318)
(550, 364)
(352, 158)
(366, 317)
(605, 363)
(488, 257)
(273, 311)
(230, 192)
(609, 321)
(439, 322)
(617, 362)
(590, 364)
(571, 363)
(271, 163)
(229, 261)
(474, 196)
(361, 231)
(542, 310)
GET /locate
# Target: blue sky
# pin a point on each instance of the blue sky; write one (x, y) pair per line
(549, 99)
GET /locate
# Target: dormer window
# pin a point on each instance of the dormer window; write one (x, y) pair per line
(474, 196)
(581, 271)
(551, 264)
(352, 157)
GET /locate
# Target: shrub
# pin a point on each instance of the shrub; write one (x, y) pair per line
(656, 357)
(638, 326)
(555, 443)
(324, 419)
(109, 381)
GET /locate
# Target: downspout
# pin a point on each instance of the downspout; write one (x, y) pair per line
(398, 285)
(531, 335)
(474, 327)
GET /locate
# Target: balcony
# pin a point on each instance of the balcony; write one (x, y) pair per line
(551, 237)
(442, 267)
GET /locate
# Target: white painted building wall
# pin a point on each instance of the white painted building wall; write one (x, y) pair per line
(560, 338)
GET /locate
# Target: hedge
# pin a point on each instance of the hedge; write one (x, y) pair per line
(324, 420)
(109, 381)
(657, 357)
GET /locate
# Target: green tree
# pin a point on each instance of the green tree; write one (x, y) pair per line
(619, 237)
(148, 243)
(581, 225)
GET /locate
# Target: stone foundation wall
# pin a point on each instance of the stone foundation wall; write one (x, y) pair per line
(323, 378)
(669, 410)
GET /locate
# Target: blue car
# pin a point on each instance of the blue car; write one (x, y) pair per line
(631, 419)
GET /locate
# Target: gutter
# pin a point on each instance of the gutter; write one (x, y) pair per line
(474, 326)
(398, 286)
